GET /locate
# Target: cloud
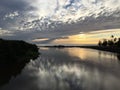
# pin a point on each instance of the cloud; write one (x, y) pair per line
(12, 5)
(5, 32)
(13, 12)
(61, 12)
(29, 19)
(11, 15)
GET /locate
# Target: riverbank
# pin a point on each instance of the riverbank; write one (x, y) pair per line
(107, 48)
(14, 55)
(14, 51)
(103, 48)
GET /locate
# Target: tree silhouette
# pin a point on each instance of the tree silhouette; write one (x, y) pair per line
(118, 42)
(110, 43)
(105, 43)
(100, 43)
(113, 42)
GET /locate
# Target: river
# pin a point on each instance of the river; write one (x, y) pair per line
(69, 69)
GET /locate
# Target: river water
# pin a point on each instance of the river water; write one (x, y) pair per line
(69, 69)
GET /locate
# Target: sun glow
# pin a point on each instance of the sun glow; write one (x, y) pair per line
(88, 38)
(76, 39)
(82, 36)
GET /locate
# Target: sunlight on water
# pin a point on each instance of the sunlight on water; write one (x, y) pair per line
(69, 69)
(91, 56)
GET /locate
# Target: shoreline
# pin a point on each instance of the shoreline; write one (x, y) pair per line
(14, 55)
(17, 51)
(102, 48)
(109, 49)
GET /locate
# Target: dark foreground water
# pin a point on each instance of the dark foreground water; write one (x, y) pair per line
(69, 69)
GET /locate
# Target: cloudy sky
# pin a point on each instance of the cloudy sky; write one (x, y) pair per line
(59, 21)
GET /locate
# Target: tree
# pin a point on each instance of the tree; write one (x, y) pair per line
(118, 42)
(110, 43)
(112, 36)
(100, 43)
(105, 43)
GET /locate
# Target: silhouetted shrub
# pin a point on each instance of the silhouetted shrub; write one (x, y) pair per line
(12, 51)
(13, 57)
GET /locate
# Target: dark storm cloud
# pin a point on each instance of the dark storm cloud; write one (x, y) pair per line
(9, 7)
(13, 5)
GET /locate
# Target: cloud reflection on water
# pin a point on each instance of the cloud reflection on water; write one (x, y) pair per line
(49, 73)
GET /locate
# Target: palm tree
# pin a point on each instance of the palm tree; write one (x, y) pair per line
(110, 42)
(105, 42)
(100, 43)
(118, 42)
(112, 36)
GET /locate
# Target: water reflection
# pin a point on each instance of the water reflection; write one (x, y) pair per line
(118, 56)
(8, 71)
(69, 69)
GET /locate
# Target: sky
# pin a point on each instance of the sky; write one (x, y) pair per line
(59, 21)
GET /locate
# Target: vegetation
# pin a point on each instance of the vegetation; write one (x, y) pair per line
(13, 51)
(13, 57)
(113, 42)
